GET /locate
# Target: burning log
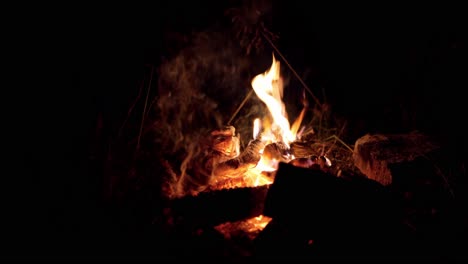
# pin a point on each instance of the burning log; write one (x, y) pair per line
(301, 149)
(248, 227)
(225, 142)
(237, 166)
(307, 157)
(277, 151)
(224, 162)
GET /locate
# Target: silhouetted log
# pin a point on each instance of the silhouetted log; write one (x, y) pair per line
(337, 214)
(375, 154)
(415, 169)
(208, 209)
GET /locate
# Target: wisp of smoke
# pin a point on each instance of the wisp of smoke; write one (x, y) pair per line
(199, 90)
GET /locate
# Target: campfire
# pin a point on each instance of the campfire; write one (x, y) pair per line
(261, 179)
(274, 140)
(233, 153)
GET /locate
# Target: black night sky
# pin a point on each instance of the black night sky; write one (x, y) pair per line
(386, 69)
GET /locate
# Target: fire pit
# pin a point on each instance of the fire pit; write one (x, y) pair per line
(281, 188)
(227, 185)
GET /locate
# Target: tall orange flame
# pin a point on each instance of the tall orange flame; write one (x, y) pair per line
(269, 88)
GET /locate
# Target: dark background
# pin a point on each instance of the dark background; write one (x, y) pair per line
(384, 68)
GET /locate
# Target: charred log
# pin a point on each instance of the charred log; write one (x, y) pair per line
(312, 162)
(236, 167)
(212, 208)
(277, 151)
(301, 149)
(339, 216)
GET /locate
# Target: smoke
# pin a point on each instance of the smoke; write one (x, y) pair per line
(199, 90)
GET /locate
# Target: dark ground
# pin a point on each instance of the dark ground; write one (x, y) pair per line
(385, 70)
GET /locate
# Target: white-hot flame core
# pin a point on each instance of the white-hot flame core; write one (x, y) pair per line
(256, 128)
(269, 88)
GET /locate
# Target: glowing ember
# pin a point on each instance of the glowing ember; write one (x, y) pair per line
(249, 227)
(259, 223)
(251, 178)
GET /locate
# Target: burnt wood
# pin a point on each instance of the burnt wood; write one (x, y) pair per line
(341, 216)
(211, 208)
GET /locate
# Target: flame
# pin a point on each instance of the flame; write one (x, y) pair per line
(271, 129)
(256, 128)
(269, 88)
(265, 164)
(257, 176)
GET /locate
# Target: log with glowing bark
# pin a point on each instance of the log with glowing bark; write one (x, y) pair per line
(302, 148)
(375, 154)
(224, 161)
(277, 151)
(237, 166)
(208, 209)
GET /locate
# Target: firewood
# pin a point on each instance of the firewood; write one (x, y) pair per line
(301, 149)
(224, 142)
(224, 162)
(375, 154)
(277, 151)
(312, 204)
(237, 166)
(251, 154)
(312, 162)
(224, 146)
